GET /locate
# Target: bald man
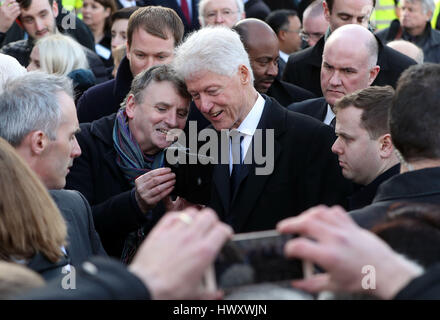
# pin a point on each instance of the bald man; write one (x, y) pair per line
(261, 44)
(349, 63)
(314, 23)
(304, 67)
(408, 48)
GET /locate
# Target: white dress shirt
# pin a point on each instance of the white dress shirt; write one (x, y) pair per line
(248, 127)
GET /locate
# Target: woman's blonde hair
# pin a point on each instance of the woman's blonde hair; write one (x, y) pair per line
(30, 221)
(61, 54)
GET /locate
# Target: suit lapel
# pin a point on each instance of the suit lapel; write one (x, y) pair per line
(249, 192)
(323, 110)
(220, 179)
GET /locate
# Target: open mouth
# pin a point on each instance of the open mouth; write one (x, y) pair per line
(215, 114)
(163, 131)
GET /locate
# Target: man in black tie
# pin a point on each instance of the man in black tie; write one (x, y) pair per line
(349, 63)
(298, 170)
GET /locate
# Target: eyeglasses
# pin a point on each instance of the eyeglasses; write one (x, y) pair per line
(225, 13)
(296, 31)
(306, 36)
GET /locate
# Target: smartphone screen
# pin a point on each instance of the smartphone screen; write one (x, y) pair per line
(256, 257)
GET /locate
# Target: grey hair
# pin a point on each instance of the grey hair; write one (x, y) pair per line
(203, 3)
(156, 73)
(216, 49)
(427, 5)
(30, 103)
(9, 69)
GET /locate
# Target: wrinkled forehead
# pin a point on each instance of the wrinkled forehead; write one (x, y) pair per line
(203, 79)
(221, 5)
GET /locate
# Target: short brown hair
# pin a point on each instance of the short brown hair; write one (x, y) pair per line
(27, 3)
(158, 73)
(375, 102)
(157, 21)
(30, 222)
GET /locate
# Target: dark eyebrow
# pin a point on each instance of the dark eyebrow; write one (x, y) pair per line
(344, 135)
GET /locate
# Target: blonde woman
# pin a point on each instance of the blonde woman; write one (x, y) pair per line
(32, 230)
(61, 55)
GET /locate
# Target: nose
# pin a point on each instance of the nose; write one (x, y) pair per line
(149, 63)
(171, 119)
(39, 24)
(205, 105)
(219, 18)
(336, 147)
(76, 150)
(335, 79)
(272, 70)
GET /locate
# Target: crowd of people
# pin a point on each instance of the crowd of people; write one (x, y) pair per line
(315, 124)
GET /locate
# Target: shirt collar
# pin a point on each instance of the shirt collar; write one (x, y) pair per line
(250, 123)
(284, 56)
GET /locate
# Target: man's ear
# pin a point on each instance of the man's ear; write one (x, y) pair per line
(386, 146)
(38, 142)
(282, 35)
(326, 11)
(55, 9)
(373, 74)
(244, 74)
(130, 106)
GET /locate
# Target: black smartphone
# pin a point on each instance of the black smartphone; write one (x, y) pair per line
(256, 257)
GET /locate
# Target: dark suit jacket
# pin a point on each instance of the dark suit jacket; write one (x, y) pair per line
(83, 241)
(286, 93)
(425, 287)
(112, 281)
(304, 67)
(419, 186)
(194, 25)
(256, 9)
(364, 195)
(306, 173)
(104, 99)
(316, 108)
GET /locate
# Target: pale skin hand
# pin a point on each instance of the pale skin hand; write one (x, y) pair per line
(173, 258)
(9, 11)
(342, 248)
(153, 186)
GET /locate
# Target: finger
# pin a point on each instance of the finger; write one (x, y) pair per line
(157, 181)
(216, 238)
(156, 191)
(216, 295)
(152, 200)
(153, 173)
(289, 225)
(309, 250)
(153, 178)
(316, 283)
